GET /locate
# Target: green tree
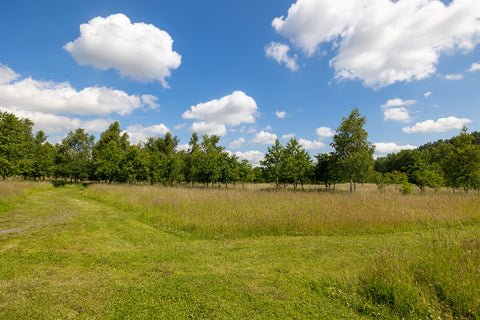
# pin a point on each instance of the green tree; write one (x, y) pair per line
(108, 153)
(246, 172)
(424, 174)
(462, 163)
(327, 169)
(210, 160)
(354, 151)
(74, 158)
(191, 160)
(134, 165)
(43, 158)
(163, 160)
(274, 158)
(296, 162)
(16, 145)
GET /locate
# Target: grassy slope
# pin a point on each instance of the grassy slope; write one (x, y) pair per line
(66, 255)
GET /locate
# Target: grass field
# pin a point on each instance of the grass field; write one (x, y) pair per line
(141, 252)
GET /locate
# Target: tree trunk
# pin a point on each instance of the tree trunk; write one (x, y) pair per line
(351, 186)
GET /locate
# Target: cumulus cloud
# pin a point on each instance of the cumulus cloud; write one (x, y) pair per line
(397, 114)
(289, 136)
(51, 123)
(390, 147)
(325, 132)
(454, 76)
(263, 137)
(138, 133)
(140, 51)
(215, 115)
(307, 144)
(235, 144)
(151, 101)
(231, 110)
(394, 110)
(397, 103)
(381, 42)
(441, 125)
(183, 147)
(279, 52)
(54, 97)
(427, 94)
(280, 114)
(474, 67)
(7, 75)
(180, 126)
(209, 128)
(253, 156)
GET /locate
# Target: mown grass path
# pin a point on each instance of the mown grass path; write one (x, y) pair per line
(64, 255)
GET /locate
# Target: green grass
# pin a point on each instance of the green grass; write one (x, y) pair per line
(100, 252)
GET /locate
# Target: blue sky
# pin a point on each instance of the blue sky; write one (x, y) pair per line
(247, 70)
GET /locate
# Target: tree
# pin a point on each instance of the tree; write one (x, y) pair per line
(74, 158)
(296, 162)
(273, 161)
(163, 160)
(108, 153)
(16, 145)
(327, 169)
(43, 158)
(354, 151)
(424, 174)
(246, 173)
(210, 159)
(462, 163)
(191, 160)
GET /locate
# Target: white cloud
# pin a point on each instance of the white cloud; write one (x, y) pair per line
(235, 144)
(390, 147)
(138, 133)
(280, 114)
(397, 114)
(311, 144)
(7, 75)
(213, 116)
(394, 109)
(209, 128)
(441, 125)
(264, 138)
(454, 76)
(325, 132)
(180, 126)
(427, 94)
(381, 42)
(289, 136)
(279, 52)
(53, 97)
(474, 67)
(231, 110)
(51, 123)
(151, 101)
(253, 156)
(397, 103)
(183, 147)
(140, 51)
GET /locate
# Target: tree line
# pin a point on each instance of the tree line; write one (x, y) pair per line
(78, 157)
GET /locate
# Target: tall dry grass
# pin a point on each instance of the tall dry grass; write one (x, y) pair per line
(12, 191)
(215, 213)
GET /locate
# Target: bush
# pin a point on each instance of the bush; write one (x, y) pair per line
(58, 183)
(406, 188)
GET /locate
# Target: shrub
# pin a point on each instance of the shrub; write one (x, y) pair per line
(58, 183)
(406, 188)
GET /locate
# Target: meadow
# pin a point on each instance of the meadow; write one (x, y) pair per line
(143, 252)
